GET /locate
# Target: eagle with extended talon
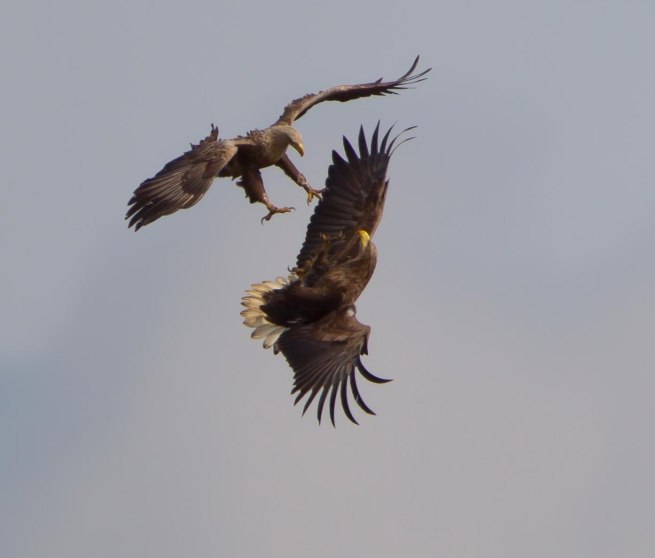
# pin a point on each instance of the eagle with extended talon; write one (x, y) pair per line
(183, 181)
(310, 316)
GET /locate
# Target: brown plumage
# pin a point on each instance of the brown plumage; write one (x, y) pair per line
(183, 181)
(310, 316)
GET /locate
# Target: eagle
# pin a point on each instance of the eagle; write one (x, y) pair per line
(184, 180)
(310, 316)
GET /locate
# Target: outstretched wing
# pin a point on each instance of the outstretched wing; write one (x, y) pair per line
(295, 109)
(354, 195)
(325, 357)
(182, 181)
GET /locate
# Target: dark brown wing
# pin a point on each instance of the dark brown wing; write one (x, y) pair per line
(354, 194)
(295, 109)
(324, 357)
(182, 181)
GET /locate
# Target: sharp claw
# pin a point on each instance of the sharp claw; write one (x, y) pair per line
(273, 210)
(311, 194)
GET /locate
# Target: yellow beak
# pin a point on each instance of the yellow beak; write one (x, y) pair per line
(364, 237)
(299, 147)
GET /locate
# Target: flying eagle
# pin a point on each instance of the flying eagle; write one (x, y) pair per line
(310, 316)
(183, 181)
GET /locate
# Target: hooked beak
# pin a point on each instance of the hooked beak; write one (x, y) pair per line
(299, 147)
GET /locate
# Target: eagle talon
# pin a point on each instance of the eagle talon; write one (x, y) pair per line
(273, 210)
(312, 193)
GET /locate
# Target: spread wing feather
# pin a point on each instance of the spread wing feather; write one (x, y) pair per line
(295, 109)
(325, 357)
(354, 194)
(182, 181)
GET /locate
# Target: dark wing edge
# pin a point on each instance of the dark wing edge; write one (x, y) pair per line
(342, 93)
(327, 367)
(181, 183)
(355, 191)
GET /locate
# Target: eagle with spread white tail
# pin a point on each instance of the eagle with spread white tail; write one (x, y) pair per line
(310, 316)
(183, 181)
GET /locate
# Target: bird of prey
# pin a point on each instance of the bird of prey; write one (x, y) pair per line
(309, 316)
(183, 181)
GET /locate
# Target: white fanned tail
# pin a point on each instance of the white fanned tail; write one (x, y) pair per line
(256, 318)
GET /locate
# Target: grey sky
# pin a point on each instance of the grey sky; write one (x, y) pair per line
(513, 303)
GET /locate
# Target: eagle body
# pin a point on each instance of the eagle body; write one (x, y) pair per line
(184, 180)
(310, 316)
(261, 149)
(325, 289)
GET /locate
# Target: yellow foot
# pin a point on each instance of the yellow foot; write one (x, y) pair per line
(311, 194)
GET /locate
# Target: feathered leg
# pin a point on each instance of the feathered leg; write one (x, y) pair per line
(292, 172)
(251, 181)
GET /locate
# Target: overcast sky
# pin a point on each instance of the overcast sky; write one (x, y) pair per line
(513, 302)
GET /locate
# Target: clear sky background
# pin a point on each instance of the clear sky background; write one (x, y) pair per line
(513, 303)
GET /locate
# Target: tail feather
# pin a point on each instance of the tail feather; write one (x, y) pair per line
(256, 318)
